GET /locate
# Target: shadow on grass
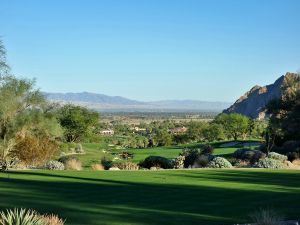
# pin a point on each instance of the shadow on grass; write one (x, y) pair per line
(85, 200)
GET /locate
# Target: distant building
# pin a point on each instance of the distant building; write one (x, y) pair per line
(179, 130)
(137, 129)
(108, 132)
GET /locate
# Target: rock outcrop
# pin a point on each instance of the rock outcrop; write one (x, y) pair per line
(253, 103)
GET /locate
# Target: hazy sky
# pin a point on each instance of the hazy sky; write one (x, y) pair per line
(152, 49)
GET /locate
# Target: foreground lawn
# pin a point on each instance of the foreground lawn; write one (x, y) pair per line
(153, 197)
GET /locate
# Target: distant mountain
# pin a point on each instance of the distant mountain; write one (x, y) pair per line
(87, 97)
(253, 103)
(116, 103)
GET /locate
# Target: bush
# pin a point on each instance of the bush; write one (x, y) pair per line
(66, 158)
(179, 162)
(68, 147)
(290, 146)
(20, 217)
(270, 164)
(207, 149)
(202, 161)
(292, 156)
(127, 166)
(52, 220)
(73, 164)
(54, 165)
(277, 156)
(33, 151)
(219, 162)
(126, 155)
(249, 155)
(97, 167)
(157, 161)
(106, 163)
(79, 149)
(191, 156)
(241, 163)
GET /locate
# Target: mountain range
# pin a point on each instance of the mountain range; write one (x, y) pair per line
(103, 102)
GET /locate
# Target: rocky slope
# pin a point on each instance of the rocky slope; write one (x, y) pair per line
(253, 103)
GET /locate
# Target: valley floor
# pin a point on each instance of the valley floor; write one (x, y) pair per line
(153, 197)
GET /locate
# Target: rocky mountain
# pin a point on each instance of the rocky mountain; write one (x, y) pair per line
(253, 103)
(116, 103)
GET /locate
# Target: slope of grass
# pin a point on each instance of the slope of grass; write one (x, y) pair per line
(153, 197)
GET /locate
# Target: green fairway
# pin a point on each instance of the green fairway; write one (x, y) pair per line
(153, 197)
(94, 152)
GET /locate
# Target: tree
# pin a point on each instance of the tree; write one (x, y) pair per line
(4, 68)
(195, 130)
(213, 132)
(22, 113)
(78, 122)
(235, 125)
(284, 123)
(163, 138)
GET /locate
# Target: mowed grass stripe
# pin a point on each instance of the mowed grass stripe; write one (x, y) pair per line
(153, 197)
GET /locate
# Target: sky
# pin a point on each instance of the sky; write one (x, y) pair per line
(213, 50)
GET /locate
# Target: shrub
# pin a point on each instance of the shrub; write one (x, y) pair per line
(270, 164)
(179, 162)
(97, 167)
(191, 156)
(126, 155)
(241, 163)
(277, 156)
(68, 147)
(157, 161)
(106, 163)
(79, 149)
(20, 217)
(127, 166)
(73, 164)
(248, 154)
(219, 162)
(54, 165)
(28, 217)
(202, 161)
(66, 158)
(290, 146)
(267, 217)
(292, 156)
(207, 149)
(33, 151)
(52, 220)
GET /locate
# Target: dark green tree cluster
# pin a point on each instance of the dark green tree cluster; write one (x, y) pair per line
(284, 124)
(78, 123)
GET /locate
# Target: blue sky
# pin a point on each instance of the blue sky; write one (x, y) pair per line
(211, 50)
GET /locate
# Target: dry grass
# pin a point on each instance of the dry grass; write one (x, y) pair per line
(52, 220)
(73, 164)
(267, 217)
(97, 167)
(296, 162)
(127, 166)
